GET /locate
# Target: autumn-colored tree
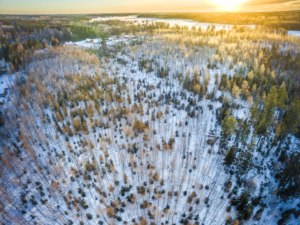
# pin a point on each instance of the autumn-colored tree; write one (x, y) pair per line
(76, 124)
(127, 131)
(138, 125)
(236, 91)
(64, 108)
(196, 88)
(143, 221)
(58, 116)
(159, 115)
(235, 222)
(250, 75)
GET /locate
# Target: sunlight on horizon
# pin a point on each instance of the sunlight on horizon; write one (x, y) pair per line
(228, 3)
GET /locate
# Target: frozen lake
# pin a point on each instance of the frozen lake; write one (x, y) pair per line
(180, 22)
(294, 33)
(172, 22)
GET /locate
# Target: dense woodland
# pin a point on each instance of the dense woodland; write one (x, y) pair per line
(172, 126)
(20, 37)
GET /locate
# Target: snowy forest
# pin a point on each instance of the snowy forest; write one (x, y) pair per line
(152, 125)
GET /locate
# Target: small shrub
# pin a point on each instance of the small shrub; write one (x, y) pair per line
(89, 216)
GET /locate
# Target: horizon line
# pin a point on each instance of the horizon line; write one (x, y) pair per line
(42, 14)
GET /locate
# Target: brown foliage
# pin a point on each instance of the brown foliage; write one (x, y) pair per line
(54, 184)
(143, 221)
(235, 222)
(138, 126)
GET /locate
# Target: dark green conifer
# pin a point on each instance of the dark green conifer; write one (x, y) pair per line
(228, 128)
(289, 178)
(230, 156)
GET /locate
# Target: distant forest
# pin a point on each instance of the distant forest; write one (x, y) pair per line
(289, 20)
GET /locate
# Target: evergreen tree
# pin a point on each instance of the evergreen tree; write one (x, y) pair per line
(291, 119)
(289, 123)
(54, 42)
(238, 132)
(269, 111)
(245, 157)
(282, 97)
(230, 156)
(243, 205)
(255, 113)
(289, 178)
(223, 82)
(228, 124)
(245, 132)
(1, 120)
(221, 113)
(228, 128)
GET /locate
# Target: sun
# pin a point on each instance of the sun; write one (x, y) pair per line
(228, 3)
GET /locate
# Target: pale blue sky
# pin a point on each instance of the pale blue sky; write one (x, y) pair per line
(111, 6)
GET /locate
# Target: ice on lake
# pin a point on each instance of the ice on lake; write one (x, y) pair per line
(294, 33)
(180, 22)
(172, 22)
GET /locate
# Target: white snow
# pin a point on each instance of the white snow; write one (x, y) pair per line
(96, 43)
(87, 43)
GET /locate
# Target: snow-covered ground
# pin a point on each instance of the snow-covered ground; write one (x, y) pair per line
(191, 166)
(96, 43)
(87, 43)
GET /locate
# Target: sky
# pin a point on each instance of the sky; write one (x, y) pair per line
(119, 6)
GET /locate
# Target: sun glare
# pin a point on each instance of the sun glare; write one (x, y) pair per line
(228, 3)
